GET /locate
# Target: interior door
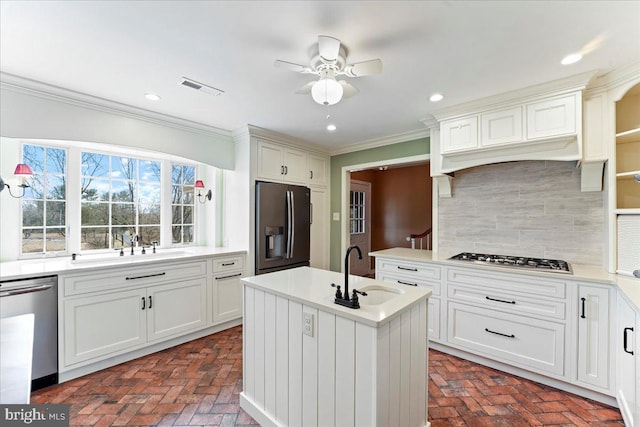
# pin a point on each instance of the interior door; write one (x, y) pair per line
(360, 226)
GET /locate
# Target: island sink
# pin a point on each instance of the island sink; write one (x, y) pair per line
(376, 294)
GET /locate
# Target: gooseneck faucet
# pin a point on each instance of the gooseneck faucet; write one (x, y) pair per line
(346, 268)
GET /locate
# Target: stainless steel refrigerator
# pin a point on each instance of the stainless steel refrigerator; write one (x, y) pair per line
(283, 225)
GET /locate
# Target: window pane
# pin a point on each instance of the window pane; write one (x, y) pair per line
(187, 195)
(55, 239)
(95, 213)
(123, 191)
(189, 173)
(149, 171)
(56, 160)
(176, 234)
(123, 168)
(32, 240)
(94, 238)
(188, 234)
(95, 189)
(149, 214)
(123, 214)
(95, 165)
(176, 174)
(56, 213)
(176, 214)
(116, 236)
(149, 193)
(188, 215)
(34, 157)
(176, 194)
(149, 234)
(36, 187)
(32, 213)
(56, 187)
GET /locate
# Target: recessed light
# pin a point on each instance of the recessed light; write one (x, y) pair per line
(383, 168)
(571, 59)
(331, 127)
(152, 97)
(436, 97)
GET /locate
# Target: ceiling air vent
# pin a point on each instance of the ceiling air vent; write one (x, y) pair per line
(200, 86)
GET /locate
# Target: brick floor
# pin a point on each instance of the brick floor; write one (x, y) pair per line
(198, 384)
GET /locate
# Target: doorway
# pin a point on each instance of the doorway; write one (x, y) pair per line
(360, 226)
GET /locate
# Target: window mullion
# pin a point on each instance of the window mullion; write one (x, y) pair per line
(74, 212)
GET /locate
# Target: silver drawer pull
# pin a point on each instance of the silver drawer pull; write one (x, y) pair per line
(144, 277)
(228, 277)
(407, 268)
(500, 300)
(227, 264)
(407, 283)
(499, 333)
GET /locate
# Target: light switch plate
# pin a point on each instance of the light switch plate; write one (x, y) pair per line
(336, 216)
(307, 324)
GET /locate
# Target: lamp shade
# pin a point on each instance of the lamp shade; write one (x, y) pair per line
(23, 169)
(199, 184)
(327, 91)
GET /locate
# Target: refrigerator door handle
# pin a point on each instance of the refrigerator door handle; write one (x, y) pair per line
(293, 223)
(310, 213)
(288, 199)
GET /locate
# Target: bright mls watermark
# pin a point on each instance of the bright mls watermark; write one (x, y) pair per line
(34, 415)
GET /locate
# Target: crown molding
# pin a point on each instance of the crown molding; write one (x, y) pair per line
(620, 77)
(26, 86)
(277, 137)
(382, 141)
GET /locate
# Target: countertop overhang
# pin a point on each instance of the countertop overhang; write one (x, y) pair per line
(312, 287)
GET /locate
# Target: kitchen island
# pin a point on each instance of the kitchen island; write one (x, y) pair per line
(308, 361)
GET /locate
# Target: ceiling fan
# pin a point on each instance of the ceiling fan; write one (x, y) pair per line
(328, 63)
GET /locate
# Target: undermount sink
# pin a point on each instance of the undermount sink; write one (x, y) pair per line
(377, 294)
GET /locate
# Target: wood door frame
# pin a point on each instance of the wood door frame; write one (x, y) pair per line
(368, 209)
(345, 174)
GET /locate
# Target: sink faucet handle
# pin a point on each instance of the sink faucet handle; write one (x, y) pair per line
(338, 291)
(154, 243)
(355, 291)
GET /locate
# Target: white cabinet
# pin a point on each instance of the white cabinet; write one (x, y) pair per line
(554, 117)
(318, 170)
(319, 238)
(628, 362)
(501, 127)
(226, 295)
(459, 134)
(593, 335)
(281, 163)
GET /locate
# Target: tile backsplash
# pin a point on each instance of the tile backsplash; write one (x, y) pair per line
(528, 208)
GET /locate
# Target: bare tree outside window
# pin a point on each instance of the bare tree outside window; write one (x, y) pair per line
(182, 203)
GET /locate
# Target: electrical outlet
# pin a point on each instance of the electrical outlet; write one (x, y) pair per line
(307, 324)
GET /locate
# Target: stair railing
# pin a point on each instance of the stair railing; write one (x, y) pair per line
(422, 237)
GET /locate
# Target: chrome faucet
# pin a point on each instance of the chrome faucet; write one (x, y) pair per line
(344, 299)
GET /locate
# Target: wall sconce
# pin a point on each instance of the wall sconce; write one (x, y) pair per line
(200, 185)
(22, 170)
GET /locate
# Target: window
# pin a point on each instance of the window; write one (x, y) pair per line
(182, 203)
(120, 199)
(44, 204)
(357, 216)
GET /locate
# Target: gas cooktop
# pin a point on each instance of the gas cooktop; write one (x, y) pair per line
(553, 265)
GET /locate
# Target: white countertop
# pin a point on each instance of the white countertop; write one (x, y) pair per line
(312, 287)
(12, 270)
(630, 286)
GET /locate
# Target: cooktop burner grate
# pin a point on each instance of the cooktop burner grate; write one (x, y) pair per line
(554, 265)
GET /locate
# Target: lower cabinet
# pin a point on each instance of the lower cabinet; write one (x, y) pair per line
(101, 325)
(627, 347)
(593, 335)
(227, 296)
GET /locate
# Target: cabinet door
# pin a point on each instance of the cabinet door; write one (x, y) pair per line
(176, 308)
(627, 361)
(270, 161)
(555, 117)
(501, 127)
(295, 166)
(319, 249)
(103, 325)
(318, 166)
(227, 297)
(459, 135)
(593, 335)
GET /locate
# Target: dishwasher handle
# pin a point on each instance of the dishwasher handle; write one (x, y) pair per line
(24, 291)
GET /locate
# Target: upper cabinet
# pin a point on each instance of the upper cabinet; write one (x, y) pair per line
(281, 163)
(628, 150)
(554, 117)
(318, 170)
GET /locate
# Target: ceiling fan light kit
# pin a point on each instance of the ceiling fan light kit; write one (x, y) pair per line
(329, 62)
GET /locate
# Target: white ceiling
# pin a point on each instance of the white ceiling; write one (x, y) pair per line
(463, 49)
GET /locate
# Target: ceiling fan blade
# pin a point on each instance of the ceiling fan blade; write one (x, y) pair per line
(306, 89)
(365, 68)
(329, 48)
(347, 89)
(292, 67)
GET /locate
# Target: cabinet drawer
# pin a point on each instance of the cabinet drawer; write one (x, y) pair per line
(409, 269)
(508, 301)
(103, 280)
(410, 280)
(513, 283)
(228, 263)
(516, 340)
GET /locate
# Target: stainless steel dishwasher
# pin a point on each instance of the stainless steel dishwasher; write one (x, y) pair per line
(39, 296)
